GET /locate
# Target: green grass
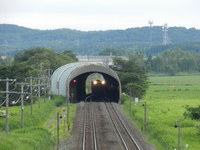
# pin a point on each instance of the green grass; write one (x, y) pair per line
(27, 139)
(165, 105)
(159, 74)
(35, 135)
(65, 129)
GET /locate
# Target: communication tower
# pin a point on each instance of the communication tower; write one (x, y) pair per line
(150, 32)
(165, 36)
(150, 23)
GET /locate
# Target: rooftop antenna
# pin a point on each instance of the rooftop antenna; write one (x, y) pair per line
(165, 36)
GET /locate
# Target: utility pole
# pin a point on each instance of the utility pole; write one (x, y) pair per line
(22, 102)
(65, 118)
(39, 92)
(31, 92)
(145, 116)
(68, 127)
(45, 93)
(42, 82)
(131, 87)
(7, 101)
(49, 83)
(130, 105)
(179, 133)
(45, 85)
(58, 128)
(49, 72)
(22, 105)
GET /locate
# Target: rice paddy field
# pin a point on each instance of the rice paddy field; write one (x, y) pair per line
(166, 99)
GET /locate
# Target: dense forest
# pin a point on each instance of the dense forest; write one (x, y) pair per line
(14, 39)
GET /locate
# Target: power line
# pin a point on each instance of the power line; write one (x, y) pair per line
(3, 103)
(7, 100)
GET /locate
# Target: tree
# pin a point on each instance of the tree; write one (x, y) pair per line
(71, 54)
(6, 62)
(133, 77)
(113, 52)
(28, 53)
(41, 58)
(32, 62)
(173, 61)
(192, 112)
(49, 59)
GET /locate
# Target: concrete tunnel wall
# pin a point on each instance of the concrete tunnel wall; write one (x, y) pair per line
(62, 81)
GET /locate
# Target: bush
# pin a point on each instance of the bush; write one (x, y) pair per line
(192, 112)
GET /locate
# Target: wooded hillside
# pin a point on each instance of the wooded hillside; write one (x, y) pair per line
(15, 38)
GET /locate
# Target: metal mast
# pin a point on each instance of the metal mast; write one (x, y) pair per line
(150, 31)
(165, 36)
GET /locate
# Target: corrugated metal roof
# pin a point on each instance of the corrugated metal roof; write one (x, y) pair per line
(63, 75)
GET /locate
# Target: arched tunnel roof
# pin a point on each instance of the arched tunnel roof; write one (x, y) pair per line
(62, 77)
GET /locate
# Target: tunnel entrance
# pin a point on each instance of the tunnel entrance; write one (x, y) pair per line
(73, 81)
(94, 86)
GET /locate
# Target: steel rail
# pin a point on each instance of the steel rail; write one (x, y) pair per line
(126, 128)
(117, 129)
(92, 121)
(84, 129)
(94, 127)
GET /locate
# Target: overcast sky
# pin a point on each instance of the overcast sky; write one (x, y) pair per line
(99, 14)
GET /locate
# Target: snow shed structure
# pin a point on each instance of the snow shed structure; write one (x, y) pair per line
(70, 80)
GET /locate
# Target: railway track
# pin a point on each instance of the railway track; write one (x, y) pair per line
(102, 127)
(89, 141)
(126, 137)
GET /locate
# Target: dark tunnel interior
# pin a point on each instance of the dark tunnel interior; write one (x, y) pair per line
(78, 91)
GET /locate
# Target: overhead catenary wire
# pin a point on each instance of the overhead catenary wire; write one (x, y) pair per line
(15, 102)
(26, 89)
(12, 82)
(10, 95)
(3, 103)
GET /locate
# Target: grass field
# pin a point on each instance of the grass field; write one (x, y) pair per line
(166, 98)
(35, 135)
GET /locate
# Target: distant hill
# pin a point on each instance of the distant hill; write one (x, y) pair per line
(187, 46)
(15, 38)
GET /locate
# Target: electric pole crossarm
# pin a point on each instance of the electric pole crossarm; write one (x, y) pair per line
(14, 92)
(8, 80)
